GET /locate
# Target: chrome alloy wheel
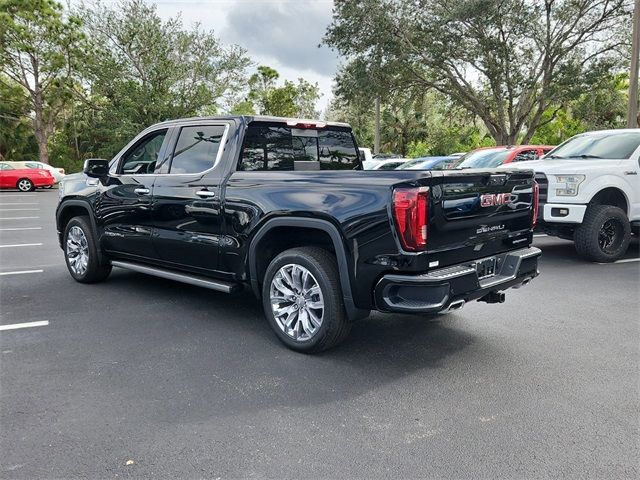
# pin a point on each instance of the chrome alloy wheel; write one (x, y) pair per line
(296, 302)
(24, 185)
(77, 250)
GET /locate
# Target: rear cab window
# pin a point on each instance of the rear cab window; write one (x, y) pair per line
(281, 147)
(197, 149)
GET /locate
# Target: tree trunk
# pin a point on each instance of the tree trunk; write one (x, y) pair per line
(39, 127)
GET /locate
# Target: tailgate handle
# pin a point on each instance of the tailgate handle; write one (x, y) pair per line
(497, 180)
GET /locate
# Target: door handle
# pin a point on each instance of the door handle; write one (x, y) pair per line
(142, 191)
(205, 193)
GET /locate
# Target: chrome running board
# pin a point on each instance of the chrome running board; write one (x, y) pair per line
(219, 285)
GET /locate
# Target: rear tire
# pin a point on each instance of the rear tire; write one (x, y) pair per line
(81, 252)
(25, 185)
(604, 234)
(302, 300)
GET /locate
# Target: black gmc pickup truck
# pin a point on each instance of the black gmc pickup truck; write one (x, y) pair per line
(282, 205)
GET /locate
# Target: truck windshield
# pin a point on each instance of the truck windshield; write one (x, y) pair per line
(615, 146)
(279, 147)
(491, 157)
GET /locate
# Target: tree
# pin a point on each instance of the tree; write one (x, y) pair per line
(267, 98)
(38, 48)
(17, 142)
(145, 70)
(506, 61)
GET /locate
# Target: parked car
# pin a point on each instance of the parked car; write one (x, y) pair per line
(56, 173)
(225, 202)
(365, 154)
(24, 179)
(491, 157)
(389, 164)
(429, 163)
(590, 192)
(374, 162)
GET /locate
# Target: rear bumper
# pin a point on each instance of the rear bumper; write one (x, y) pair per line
(449, 287)
(42, 181)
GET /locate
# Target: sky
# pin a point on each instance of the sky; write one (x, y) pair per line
(283, 34)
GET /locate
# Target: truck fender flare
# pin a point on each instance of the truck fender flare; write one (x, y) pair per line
(65, 205)
(353, 312)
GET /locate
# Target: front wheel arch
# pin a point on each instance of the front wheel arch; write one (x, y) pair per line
(76, 208)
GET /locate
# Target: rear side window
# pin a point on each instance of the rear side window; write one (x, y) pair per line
(197, 148)
(274, 147)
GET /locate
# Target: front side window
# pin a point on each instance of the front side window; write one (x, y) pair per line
(4, 166)
(197, 148)
(275, 147)
(526, 155)
(142, 157)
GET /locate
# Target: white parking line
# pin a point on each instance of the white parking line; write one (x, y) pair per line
(19, 228)
(21, 245)
(628, 260)
(20, 272)
(17, 218)
(15, 326)
(19, 209)
(540, 235)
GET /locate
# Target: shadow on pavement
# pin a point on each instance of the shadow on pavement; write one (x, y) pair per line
(221, 357)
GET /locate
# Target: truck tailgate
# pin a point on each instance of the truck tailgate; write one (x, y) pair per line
(478, 213)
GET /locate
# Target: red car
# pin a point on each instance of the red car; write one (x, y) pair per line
(488, 157)
(24, 179)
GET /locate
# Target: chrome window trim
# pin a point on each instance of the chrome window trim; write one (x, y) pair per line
(223, 142)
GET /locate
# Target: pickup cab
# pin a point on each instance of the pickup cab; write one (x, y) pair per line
(590, 192)
(283, 207)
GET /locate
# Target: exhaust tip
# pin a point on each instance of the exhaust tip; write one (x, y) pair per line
(456, 305)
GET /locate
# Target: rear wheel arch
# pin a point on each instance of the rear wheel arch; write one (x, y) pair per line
(327, 238)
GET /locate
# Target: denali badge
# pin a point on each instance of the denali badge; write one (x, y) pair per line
(495, 199)
(488, 229)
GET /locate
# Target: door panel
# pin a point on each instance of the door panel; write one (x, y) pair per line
(186, 201)
(123, 206)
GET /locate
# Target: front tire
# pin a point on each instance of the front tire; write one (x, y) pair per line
(302, 300)
(604, 234)
(25, 185)
(81, 252)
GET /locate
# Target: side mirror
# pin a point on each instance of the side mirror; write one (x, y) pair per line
(96, 167)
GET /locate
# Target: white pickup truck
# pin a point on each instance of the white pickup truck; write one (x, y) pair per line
(590, 192)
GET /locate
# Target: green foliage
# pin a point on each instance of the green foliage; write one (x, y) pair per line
(17, 142)
(504, 62)
(144, 70)
(39, 47)
(265, 97)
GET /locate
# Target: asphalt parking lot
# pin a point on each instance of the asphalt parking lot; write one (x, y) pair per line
(140, 377)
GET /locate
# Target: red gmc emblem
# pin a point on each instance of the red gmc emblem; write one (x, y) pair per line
(495, 199)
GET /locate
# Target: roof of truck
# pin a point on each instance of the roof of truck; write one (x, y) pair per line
(256, 118)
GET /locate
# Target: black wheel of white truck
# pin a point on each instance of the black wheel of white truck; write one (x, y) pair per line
(604, 234)
(302, 299)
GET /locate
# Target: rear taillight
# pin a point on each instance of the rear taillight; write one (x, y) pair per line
(411, 214)
(536, 204)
